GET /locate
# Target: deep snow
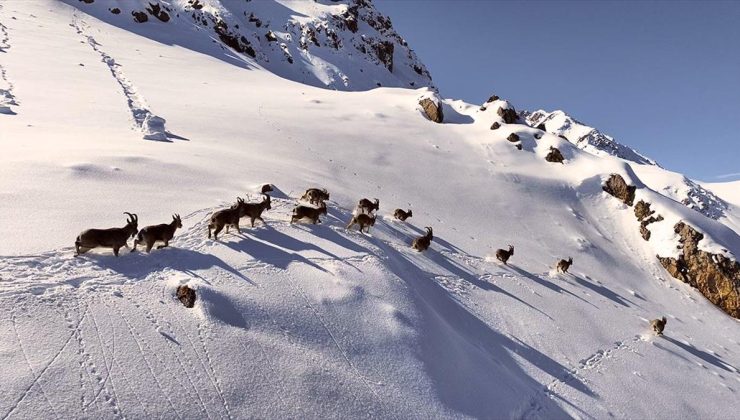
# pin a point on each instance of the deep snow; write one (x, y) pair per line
(316, 321)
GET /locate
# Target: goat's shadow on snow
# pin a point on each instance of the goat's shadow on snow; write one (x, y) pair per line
(469, 362)
(703, 355)
(137, 265)
(604, 291)
(545, 283)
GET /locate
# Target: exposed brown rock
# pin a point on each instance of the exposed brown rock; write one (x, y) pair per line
(508, 114)
(714, 275)
(195, 4)
(270, 36)
(115, 11)
(554, 155)
(617, 187)
(513, 137)
(239, 44)
(384, 52)
(519, 146)
(186, 295)
(88, 1)
(642, 210)
(541, 126)
(139, 17)
(432, 109)
(496, 125)
(492, 98)
(157, 11)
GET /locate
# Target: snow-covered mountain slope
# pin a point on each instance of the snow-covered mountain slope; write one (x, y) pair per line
(584, 137)
(343, 45)
(728, 191)
(315, 321)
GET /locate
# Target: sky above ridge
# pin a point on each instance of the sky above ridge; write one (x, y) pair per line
(662, 77)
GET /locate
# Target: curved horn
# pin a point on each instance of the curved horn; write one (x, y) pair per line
(130, 217)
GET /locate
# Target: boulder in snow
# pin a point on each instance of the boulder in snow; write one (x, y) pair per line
(617, 187)
(495, 126)
(153, 128)
(554, 155)
(508, 115)
(513, 137)
(432, 108)
(139, 16)
(186, 295)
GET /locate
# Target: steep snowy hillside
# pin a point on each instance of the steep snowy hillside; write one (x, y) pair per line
(315, 321)
(344, 45)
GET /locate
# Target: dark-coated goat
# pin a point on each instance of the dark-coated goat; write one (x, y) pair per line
(312, 213)
(254, 210)
(367, 206)
(402, 215)
(658, 325)
(162, 233)
(315, 196)
(107, 238)
(226, 217)
(504, 255)
(363, 220)
(422, 242)
(564, 265)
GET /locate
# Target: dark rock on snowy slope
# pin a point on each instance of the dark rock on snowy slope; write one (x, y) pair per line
(554, 155)
(715, 276)
(617, 187)
(432, 108)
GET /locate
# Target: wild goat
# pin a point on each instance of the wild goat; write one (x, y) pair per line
(402, 215)
(312, 213)
(362, 219)
(564, 265)
(162, 233)
(422, 242)
(226, 217)
(315, 196)
(108, 238)
(254, 210)
(504, 255)
(367, 206)
(658, 325)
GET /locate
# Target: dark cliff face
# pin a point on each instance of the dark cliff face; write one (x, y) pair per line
(715, 276)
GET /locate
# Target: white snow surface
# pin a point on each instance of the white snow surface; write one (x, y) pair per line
(314, 321)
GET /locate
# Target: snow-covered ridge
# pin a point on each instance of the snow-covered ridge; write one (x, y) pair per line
(584, 137)
(343, 45)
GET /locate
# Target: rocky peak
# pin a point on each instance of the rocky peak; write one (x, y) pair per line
(584, 137)
(343, 45)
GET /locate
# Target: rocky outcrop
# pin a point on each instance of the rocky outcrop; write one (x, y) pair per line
(617, 187)
(158, 12)
(645, 216)
(554, 155)
(432, 108)
(495, 126)
(715, 276)
(513, 137)
(509, 115)
(186, 296)
(139, 17)
(115, 11)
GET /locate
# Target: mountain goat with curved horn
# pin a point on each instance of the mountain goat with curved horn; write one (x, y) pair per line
(422, 243)
(315, 196)
(504, 255)
(367, 206)
(226, 217)
(107, 238)
(149, 235)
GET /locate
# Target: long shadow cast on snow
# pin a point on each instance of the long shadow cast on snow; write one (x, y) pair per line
(603, 291)
(703, 355)
(138, 265)
(471, 364)
(546, 284)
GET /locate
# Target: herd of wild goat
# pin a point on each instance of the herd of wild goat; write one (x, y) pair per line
(314, 205)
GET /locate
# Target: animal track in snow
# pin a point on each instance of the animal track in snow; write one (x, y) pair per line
(7, 98)
(151, 125)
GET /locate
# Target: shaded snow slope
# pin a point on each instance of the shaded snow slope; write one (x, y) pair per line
(314, 321)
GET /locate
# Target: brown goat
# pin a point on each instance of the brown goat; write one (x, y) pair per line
(162, 233)
(107, 238)
(367, 206)
(504, 255)
(315, 196)
(312, 213)
(363, 220)
(226, 217)
(658, 325)
(254, 210)
(564, 265)
(422, 242)
(402, 215)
